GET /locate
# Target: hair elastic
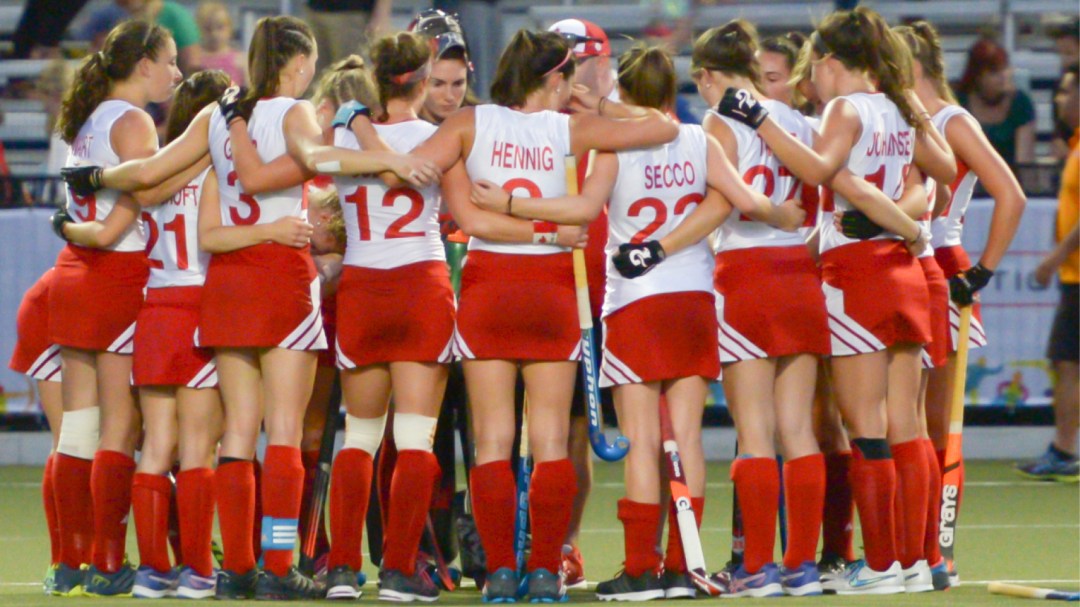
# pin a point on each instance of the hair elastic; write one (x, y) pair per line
(568, 57)
(414, 76)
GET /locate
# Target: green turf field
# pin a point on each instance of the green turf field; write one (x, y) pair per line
(1010, 529)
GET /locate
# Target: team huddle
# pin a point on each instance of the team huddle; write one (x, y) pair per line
(802, 245)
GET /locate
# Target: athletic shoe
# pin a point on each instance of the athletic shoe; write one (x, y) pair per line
(546, 587)
(1052, 465)
(236, 586)
(99, 583)
(191, 585)
(804, 580)
(153, 584)
(677, 585)
(954, 575)
(625, 587)
(859, 578)
(398, 587)
(918, 577)
(831, 569)
(68, 581)
(293, 586)
(939, 573)
(573, 567)
(49, 583)
(741, 583)
(342, 583)
(501, 586)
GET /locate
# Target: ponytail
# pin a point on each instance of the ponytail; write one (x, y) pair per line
(925, 45)
(647, 76)
(274, 43)
(346, 80)
(731, 49)
(402, 63)
(526, 62)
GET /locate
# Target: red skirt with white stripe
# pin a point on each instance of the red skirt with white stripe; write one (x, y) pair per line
(95, 298)
(395, 315)
(769, 304)
(165, 350)
(954, 260)
(876, 297)
(518, 307)
(642, 343)
(34, 354)
(265, 296)
(936, 353)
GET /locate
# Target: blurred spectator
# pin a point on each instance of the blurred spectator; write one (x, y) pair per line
(216, 27)
(100, 23)
(345, 27)
(175, 18)
(1065, 32)
(1006, 114)
(49, 89)
(42, 24)
(6, 198)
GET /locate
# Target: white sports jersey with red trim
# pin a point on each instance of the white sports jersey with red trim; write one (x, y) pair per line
(882, 155)
(93, 146)
(173, 239)
(947, 229)
(524, 154)
(389, 227)
(266, 129)
(229, 192)
(655, 190)
(762, 171)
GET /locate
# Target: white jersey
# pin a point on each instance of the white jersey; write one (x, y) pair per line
(524, 154)
(266, 129)
(234, 204)
(173, 241)
(763, 172)
(655, 190)
(882, 155)
(389, 227)
(93, 146)
(947, 229)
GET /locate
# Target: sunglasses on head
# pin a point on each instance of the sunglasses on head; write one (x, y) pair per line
(575, 39)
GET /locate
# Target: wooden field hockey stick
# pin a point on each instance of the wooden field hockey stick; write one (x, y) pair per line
(589, 370)
(319, 492)
(684, 509)
(950, 475)
(441, 568)
(521, 518)
(1027, 592)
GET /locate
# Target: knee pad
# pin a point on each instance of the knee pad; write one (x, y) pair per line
(872, 448)
(412, 431)
(79, 432)
(365, 434)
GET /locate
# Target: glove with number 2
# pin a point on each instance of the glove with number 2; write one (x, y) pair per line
(633, 260)
(740, 105)
(229, 104)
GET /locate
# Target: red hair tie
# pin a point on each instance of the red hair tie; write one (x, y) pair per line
(569, 55)
(413, 76)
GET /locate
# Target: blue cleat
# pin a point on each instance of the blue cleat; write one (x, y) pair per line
(99, 583)
(1053, 465)
(804, 580)
(68, 581)
(741, 583)
(546, 587)
(191, 585)
(501, 586)
(153, 584)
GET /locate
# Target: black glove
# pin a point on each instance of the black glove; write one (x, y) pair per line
(964, 286)
(633, 260)
(229, 103)
(739, 104)
(348, 112)
(855, 224)
(84, 180)
(59, 218)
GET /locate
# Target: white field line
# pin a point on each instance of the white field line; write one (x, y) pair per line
(713, 485)
(989, 527)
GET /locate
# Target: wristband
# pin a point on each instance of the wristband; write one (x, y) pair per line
(545, 232)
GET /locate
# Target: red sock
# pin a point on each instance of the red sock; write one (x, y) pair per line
(74, 509)
(931, 547)
(150, 496)
(493, 498)
(110, 488)
(804, 494)
(48, 500)
(674, 559)
(639, 536)
(234, 485)
(912, 486)
(757, 483)
(256, 526)
(551, 498)
(837, 526)
(350, 490)
(195, 509)
(410, 496)
(283, 482)
(873, 481)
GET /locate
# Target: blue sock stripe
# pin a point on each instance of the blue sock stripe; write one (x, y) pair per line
(279, 533)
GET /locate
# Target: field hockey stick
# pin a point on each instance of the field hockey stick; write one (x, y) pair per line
(607, 452)
(1027, 592)
(954, 452)
(521, 518)
(684, 509)
(781, 510)
(441, 568)
(738, 536)
(322, 482)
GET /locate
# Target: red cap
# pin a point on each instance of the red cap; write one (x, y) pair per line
(587, 38)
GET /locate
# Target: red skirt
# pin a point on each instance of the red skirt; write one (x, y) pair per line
(165, 351)
(936, 352)
(34, 354)
(954, 260)
(876, 297)
(769, 304)
(95, 298)
(642, 345)
(265, 296)
(518, 307)
(401, 314)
